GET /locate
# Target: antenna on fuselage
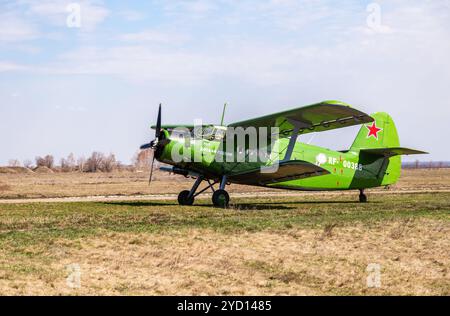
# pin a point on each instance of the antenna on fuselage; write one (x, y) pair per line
(223, 114)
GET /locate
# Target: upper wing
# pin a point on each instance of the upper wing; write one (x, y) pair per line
(318, 117)
(172, 127)
(393, 151)
(285, 171)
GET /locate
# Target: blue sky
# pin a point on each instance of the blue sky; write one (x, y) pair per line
(97, 87)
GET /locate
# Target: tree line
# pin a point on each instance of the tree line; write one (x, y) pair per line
(96, 162)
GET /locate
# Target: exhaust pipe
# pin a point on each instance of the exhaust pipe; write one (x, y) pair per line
(180, 171)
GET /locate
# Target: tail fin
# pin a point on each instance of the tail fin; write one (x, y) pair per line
(379, 149)
(381, 133)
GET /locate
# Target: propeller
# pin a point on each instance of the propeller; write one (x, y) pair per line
(154, 143)
(151, 169)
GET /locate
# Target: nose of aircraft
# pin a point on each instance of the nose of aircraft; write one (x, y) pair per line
(158, 133)
(162, 142)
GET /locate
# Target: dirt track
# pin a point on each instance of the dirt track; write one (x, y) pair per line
(165, 197)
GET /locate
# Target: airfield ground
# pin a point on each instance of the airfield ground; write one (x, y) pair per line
(312, 243)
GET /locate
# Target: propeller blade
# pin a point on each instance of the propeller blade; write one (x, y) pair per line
(151, 170)
(154, 143)
(158, 124)
(146, 146)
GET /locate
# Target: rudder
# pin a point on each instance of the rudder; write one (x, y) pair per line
(381, 133)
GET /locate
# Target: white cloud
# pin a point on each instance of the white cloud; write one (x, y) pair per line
(22, 21)
(92, 15)
(131, 15)
(136, 63)
(55, 12)
(150, 55)
(155, 36)
(9, 66)
(255, 63)
(194, 9)
(296, 15)
(15, 29)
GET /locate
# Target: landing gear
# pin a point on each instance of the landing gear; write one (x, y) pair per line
(187, 197)
(362, 196)
(184, 199)
(220, 197)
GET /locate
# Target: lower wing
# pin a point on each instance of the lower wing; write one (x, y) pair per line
(284, 171)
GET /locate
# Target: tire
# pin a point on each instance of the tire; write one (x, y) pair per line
(183, 198)
(221, 199)
(362, 198)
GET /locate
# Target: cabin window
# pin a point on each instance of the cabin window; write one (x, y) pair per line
(219, 134)
(208, 132)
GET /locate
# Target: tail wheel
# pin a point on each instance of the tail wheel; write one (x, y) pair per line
(183, 198)
(221, 199)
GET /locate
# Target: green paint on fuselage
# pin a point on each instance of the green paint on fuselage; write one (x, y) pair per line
(353, 169)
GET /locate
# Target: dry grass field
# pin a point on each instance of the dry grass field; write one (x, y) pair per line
(57, 185)
(317, 243)
(76, 184)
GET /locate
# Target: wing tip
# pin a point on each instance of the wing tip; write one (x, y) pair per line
(421, 152)
(335, 102)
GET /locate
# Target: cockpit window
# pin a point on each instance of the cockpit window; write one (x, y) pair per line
(180, 133)
(209, 133)
(220, 134)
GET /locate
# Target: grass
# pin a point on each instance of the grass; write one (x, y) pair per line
(75, 184)
(259, 214)
(23, 186)
(318, 244)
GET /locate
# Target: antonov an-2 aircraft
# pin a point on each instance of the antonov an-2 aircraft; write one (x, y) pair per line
(373, 159)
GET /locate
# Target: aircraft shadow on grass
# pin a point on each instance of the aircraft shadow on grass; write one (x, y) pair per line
(235, 206)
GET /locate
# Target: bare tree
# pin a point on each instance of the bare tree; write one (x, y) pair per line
(141, 160)
(68, 164)
(71, 161)
(47, 161)
(108, 163)
(81, 162)
(39, 161)
(14, 163)
(28, 163)
(64, 165)
(93, 164)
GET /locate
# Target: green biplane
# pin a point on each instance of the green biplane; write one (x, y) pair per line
(279, 160)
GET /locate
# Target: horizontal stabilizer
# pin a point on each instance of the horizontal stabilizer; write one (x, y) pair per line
(393, 151)
(286, 171)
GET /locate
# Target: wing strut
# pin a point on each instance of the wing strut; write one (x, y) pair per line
(297, 127)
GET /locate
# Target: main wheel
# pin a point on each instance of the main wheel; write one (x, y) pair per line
(221, 199)
(362, 198)
(183, 198)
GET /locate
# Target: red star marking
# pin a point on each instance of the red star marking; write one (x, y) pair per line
(373, 130)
